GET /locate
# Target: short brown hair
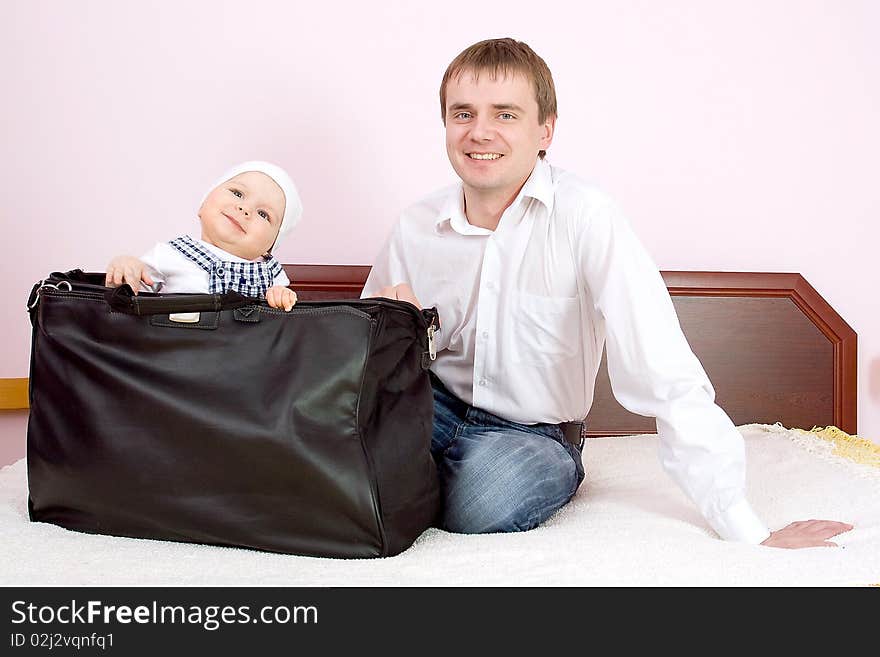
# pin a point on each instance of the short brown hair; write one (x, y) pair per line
(500, 57)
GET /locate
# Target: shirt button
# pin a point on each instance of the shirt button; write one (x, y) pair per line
(483, 382)
(220, 271)
(485, 335)
(490, 285)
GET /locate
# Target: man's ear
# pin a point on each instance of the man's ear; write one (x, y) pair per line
(549, 126)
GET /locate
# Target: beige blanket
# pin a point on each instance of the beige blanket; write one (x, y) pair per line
(629, 525)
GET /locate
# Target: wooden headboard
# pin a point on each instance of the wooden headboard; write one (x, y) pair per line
(773, 348)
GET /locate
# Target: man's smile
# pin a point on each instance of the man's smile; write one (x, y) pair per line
(485, 156)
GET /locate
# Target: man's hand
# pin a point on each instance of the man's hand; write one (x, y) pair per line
(807, 533)
(401, 292)
(279, 296)
(127, 269)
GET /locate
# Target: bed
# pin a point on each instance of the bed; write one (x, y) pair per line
(783, 364)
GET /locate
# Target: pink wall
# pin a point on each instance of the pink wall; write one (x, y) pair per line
(750, 125)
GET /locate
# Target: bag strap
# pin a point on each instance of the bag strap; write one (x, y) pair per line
(123, 299)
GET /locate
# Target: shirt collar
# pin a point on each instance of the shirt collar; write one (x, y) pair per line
(539, 185)
(224, 255)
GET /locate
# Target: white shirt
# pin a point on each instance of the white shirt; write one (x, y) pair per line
(177, 273)
(526, 309)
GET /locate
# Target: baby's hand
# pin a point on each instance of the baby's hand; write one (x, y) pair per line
(127, 269)
(279, 296)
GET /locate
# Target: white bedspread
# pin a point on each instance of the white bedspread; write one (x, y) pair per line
(629, 525)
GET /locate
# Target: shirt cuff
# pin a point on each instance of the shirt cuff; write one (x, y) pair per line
(740, 523)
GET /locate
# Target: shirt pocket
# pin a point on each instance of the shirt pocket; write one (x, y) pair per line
(546, 329)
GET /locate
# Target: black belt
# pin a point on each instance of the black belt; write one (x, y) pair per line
(574, 433)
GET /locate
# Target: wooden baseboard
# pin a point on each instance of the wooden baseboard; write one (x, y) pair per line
(13, 394)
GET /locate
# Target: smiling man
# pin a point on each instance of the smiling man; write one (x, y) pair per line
(533, 271)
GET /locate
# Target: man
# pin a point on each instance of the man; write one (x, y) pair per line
(532, 271)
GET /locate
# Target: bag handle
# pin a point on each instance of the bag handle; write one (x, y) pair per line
(123, 299)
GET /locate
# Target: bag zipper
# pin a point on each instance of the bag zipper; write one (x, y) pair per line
(76, 286)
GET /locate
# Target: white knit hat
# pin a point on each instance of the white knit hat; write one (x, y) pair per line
(292, 203)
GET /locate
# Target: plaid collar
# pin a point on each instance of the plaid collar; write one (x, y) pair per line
(251, 279)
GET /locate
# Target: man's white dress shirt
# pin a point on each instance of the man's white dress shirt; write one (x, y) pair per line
(526, 309)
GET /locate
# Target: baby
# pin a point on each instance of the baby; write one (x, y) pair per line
(242, 218)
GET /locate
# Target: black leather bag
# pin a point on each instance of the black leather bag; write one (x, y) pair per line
(216, 419)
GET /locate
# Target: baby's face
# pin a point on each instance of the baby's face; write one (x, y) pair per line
(243, 215)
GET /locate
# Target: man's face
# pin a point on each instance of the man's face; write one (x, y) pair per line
(492, 132)
(243, 215)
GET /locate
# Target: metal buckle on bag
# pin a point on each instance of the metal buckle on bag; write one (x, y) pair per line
(43, 285)
(432, 348)
(185, 318)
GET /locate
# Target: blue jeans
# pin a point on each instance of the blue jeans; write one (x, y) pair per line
(497, 475)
